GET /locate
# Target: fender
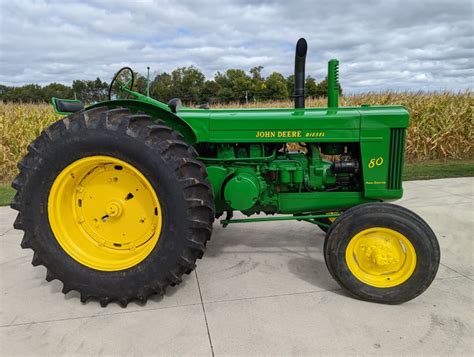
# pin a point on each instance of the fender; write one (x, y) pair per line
(157, 113)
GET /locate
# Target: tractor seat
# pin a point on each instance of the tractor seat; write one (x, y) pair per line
(175, 104)
(67, 105)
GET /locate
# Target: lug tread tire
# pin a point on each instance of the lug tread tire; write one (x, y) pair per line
(155, 140)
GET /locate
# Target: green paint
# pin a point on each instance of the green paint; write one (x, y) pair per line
(306, 218)
(242, 191)
(157, 112)
(250, 170)
(333, 83)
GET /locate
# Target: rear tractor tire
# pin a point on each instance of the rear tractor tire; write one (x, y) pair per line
(114, 206)
(382, 253)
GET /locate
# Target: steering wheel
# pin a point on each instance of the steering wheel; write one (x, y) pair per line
(123, 79)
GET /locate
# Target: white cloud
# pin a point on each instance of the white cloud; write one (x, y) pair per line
(382, 45)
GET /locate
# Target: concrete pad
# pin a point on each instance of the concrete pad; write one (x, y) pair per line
(420, 194)
(447, 205)
(463, 186)
(264, 259)
(28, 298)
(439, 322)
(7, 217)
(165, 331)
(454, 227)
(445, 272)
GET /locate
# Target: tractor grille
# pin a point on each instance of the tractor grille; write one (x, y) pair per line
(397, 148)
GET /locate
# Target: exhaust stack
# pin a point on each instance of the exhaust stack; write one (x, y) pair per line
(300, 60)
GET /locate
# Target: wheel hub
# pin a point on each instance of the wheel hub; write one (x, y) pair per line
(115, 219)
(381, 254)
(381, 257)
(114, 209)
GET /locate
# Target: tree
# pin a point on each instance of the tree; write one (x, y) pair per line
(26, 93)
(187, 83)
(258, 82)
(322, 88)
(290, 85)
(225, 92)
(139, 84)
(79, 89)
(256, 73)
(276, 86)
(240, 83)
(57, 90)
(4, 89)
(98, 89)
(161, 88)
(209, 91)
(311, 88)
(90, 91)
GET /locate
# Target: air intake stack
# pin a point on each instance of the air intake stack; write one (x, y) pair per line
(300, 60)
(333, 83)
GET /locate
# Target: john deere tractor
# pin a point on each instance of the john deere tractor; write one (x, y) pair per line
(117, 200)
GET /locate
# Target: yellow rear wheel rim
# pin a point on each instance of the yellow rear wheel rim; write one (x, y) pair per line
(104, 213)
(381, 257)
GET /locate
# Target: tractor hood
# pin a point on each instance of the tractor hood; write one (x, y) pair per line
(291, 125)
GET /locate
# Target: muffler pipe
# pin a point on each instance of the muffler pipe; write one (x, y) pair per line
(300, 60)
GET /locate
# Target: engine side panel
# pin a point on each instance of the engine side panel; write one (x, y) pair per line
(382, 142)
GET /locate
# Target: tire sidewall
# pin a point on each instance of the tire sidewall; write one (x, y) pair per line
(158, 171)
(426, 248)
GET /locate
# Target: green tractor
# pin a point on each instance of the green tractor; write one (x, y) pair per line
(117, 200)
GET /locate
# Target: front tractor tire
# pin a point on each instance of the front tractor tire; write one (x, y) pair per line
(382, 253)
(113, 205)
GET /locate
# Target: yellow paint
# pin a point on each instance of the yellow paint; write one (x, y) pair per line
(332, 219)
(375, 182)
(279, 134)
(381, 257)
(375, 162)
(289, 134)
(315, 134)
(265, 134)
(104, 213)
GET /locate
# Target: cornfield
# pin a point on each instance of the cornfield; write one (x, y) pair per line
(441, 125)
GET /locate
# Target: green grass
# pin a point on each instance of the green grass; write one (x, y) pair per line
(418, 171)
(6, 194)
(438, 169)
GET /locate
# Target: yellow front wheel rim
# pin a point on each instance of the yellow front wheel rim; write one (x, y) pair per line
(104, 213)
(381, 257)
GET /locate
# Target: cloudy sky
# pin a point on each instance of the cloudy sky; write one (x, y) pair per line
(413, 44)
